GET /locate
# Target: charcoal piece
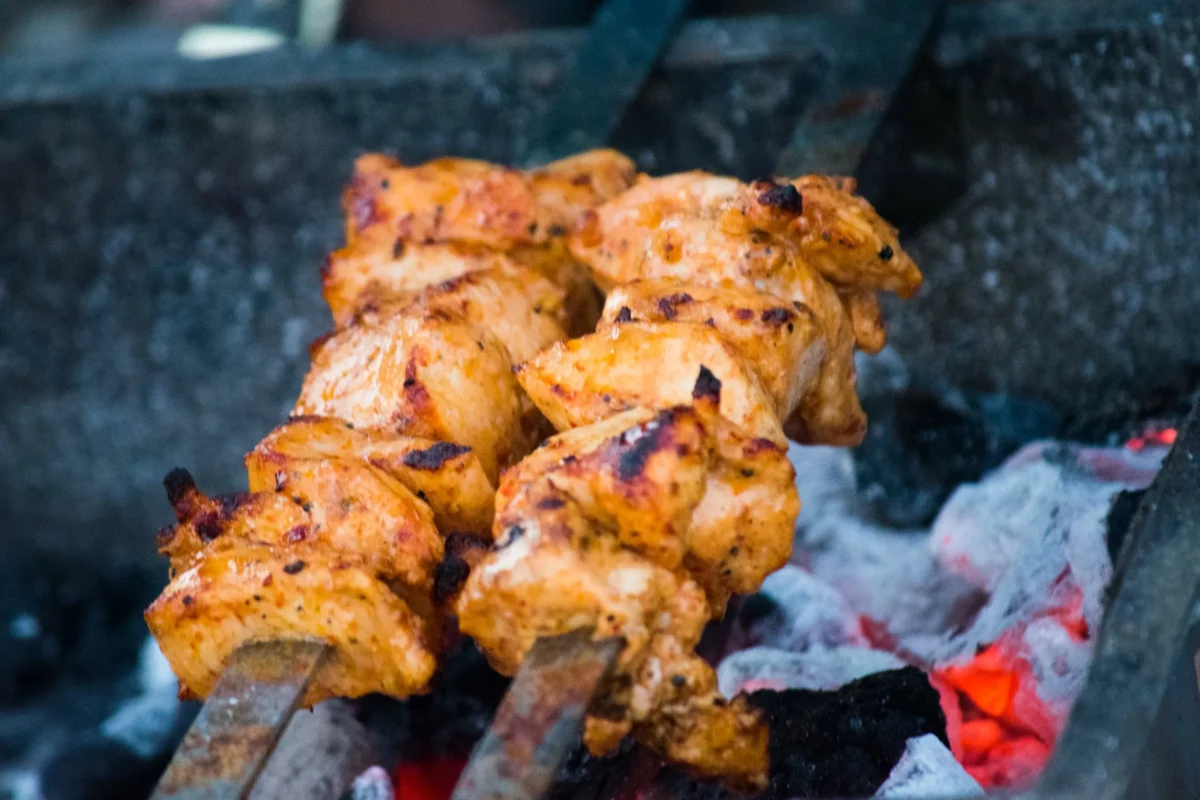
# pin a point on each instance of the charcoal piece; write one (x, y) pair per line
(922, 443)
(586, 777)
(845, 743)
(1120, 516)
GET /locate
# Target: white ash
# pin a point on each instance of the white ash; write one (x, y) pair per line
(818, 669)
(887, 575)
(154, 673)
(928, 771)
(1032, 536)
(374, 784)
(147, 723)
(1057, 663)
(807, 613)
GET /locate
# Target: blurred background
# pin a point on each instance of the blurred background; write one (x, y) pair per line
(65, 29)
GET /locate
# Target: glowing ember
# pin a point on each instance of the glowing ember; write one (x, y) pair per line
(1164, 437)
(1008, 730)
(987, 681)
(430, 779)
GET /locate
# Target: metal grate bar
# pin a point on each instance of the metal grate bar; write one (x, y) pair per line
(621, 47)
(835, 128)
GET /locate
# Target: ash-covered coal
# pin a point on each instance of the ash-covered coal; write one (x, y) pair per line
(999, 599)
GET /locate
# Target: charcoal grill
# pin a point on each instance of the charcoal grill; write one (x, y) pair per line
(1048, 193)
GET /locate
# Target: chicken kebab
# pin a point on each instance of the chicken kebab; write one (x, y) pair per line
(732, 317)
(453, 272)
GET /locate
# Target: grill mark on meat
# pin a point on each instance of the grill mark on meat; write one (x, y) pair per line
(776, 316)
(452, 572)
(669, 305)
(434, 457)
(208, 526)
(708, 386)
(785, 197)
(178, 483)
(632, 461)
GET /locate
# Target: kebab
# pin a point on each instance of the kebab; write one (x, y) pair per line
(732, 316)
(453, 271)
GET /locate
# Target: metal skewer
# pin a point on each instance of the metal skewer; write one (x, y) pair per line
(228, 744)
(540, 719)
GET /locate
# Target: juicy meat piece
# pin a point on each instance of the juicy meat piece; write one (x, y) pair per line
(265, 565)
(390, 530)
(201, 520)
(780, 340)
(741, 531)
(519, 307)
(364, 282)
(433, 375)
(866, 319)
(638, 474)
(391, 207)
(843, 237)
(242, 592)
(702, 230)
(835, 231)
(641, 525)
(362, 279)
(552, 571)
(447, 477)
(457, 199)
(651, 364)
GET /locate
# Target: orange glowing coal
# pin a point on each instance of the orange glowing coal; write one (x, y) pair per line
(1154, 438)
(996, 749)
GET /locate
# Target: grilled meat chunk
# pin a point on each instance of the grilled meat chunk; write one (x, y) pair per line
(702, 230)
(433, 375)
(448, 477)
(242, 592)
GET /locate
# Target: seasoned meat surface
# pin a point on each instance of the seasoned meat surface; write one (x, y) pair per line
(733, 314)
(524, 213)
(434, 375)
(410, 484)
(366, 506)
(699, 229)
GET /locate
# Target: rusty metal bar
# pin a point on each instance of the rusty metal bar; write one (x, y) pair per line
(1154, 595)
(540, 720)
(622, 45)
(837, 125)
(237, 730)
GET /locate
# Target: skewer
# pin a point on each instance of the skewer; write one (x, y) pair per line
(540, 719)
(228, 744)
